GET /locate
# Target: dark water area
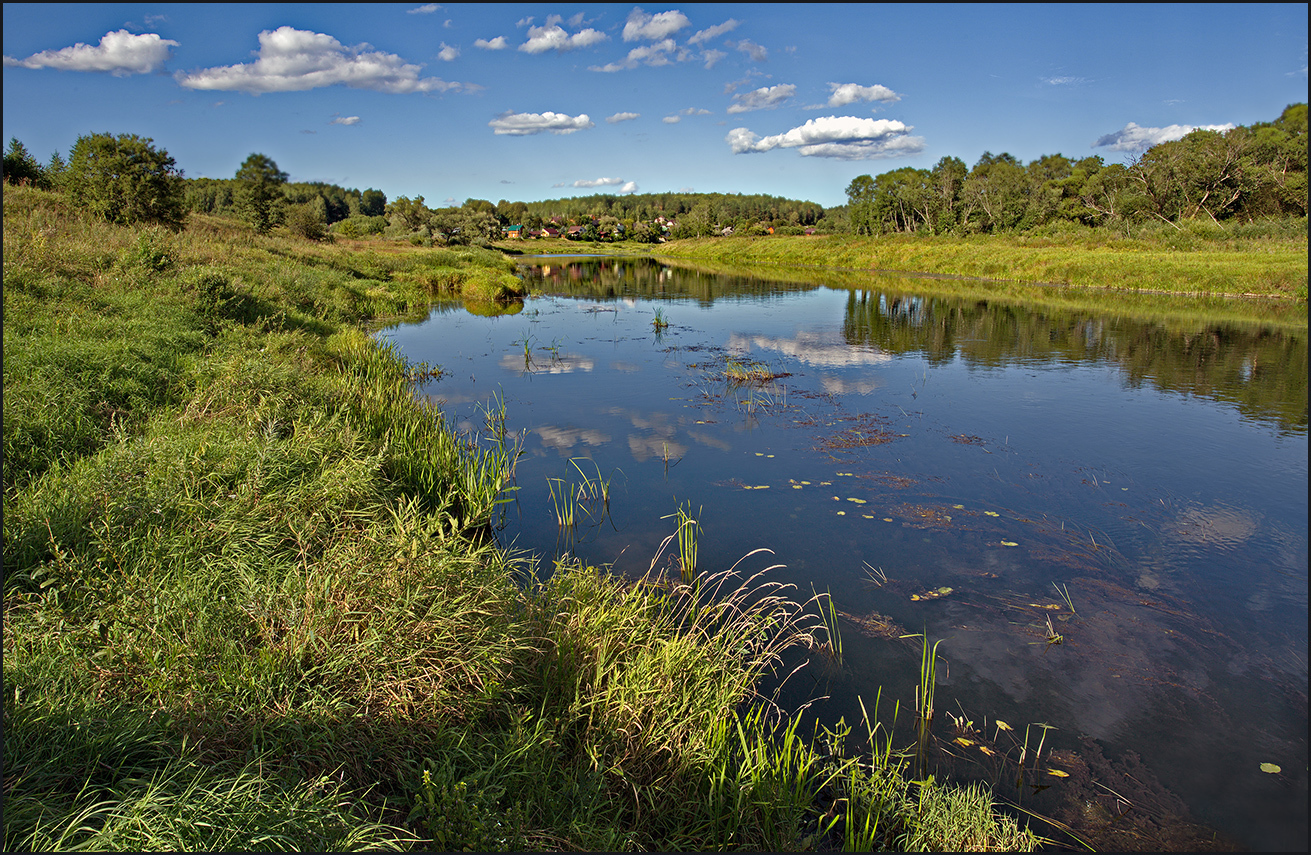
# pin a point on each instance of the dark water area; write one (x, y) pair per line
(951, 466)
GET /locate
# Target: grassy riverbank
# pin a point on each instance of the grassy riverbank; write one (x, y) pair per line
(250, 601)
(1196, 260)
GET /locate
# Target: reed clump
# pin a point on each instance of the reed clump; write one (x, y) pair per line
(251, 600)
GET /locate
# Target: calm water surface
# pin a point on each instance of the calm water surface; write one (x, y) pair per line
(1156, 471)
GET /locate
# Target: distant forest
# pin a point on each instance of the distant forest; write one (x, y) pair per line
(1248, 173)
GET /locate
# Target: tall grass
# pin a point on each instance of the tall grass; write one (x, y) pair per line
(250, 600)
(1199, 260)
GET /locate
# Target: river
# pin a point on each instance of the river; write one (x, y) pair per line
(1101, 516)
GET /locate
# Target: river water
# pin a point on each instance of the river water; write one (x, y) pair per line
(1103, 517)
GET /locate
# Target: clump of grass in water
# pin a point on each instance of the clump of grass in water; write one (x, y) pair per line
(659, 321)
(688, 536)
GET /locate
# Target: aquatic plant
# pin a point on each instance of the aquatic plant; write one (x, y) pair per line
(1065, 595)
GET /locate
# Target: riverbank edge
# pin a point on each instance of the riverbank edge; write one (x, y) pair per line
(1190, 264)
(249, 594)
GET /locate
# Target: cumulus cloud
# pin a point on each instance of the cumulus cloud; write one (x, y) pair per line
(345, 120)
(598, 182)
(766, 97)
(426, 9)
(447, 52)
(839, 137)
(672, 120)
(850, 93)
(291, 60)
(629, 187)
(527, 124)
(554, 37)
(711, 57)
(710, 32)
(621, 117)
(498, 43)
(654, 55)
(652, 28)
(1135, 138)
(120, 53)
(753, 50)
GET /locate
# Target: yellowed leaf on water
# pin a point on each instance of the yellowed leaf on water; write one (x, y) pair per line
(962, 741)
(986, 750)
(1270, 768)
(1001, 724)
(992, 513)
(842, 513)
(1058, 773)
(887, 519)
(914, 596)
(959, 507)
(857, 501)
(1009, 543)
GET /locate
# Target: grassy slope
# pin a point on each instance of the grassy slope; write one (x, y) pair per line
(250, 604)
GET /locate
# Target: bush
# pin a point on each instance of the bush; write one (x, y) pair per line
(125, 180)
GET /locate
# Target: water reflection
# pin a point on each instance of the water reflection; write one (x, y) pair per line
(982, 448)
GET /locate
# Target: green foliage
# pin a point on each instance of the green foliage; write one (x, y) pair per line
(20, 167)
(258, 194)
(124, 180)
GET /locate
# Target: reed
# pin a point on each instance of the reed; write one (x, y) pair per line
(1065, 596)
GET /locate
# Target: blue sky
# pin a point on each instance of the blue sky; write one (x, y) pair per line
(528, 101)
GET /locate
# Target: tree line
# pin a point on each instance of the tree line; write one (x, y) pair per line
(1246, 173)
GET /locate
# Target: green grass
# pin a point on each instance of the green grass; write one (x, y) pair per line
(251, 601)
(1198, 261)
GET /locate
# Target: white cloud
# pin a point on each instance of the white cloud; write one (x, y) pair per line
(710, 32)
(554, 37)
(839, 137)
(526, 124)
(426, 9)
(672, 120)
(598, 182)
(849, 93)
(292, 60)
(753, 50)
(640, 25)
(629, 187)
(345, 120)
(711, 57)
(653, 55)
(448, 53)
(767, 97)
(120, 53)
(621, 117)
(1134, 138)
(1064, 81)
(498, 43)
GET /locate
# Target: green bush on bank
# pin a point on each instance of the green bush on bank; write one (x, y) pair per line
(250, 602)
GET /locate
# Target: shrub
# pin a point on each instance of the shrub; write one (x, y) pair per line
(125, 180)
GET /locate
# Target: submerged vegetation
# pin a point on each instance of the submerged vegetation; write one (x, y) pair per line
(251, 601)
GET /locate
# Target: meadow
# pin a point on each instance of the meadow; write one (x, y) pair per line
(251, 601)
(1195, 259)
